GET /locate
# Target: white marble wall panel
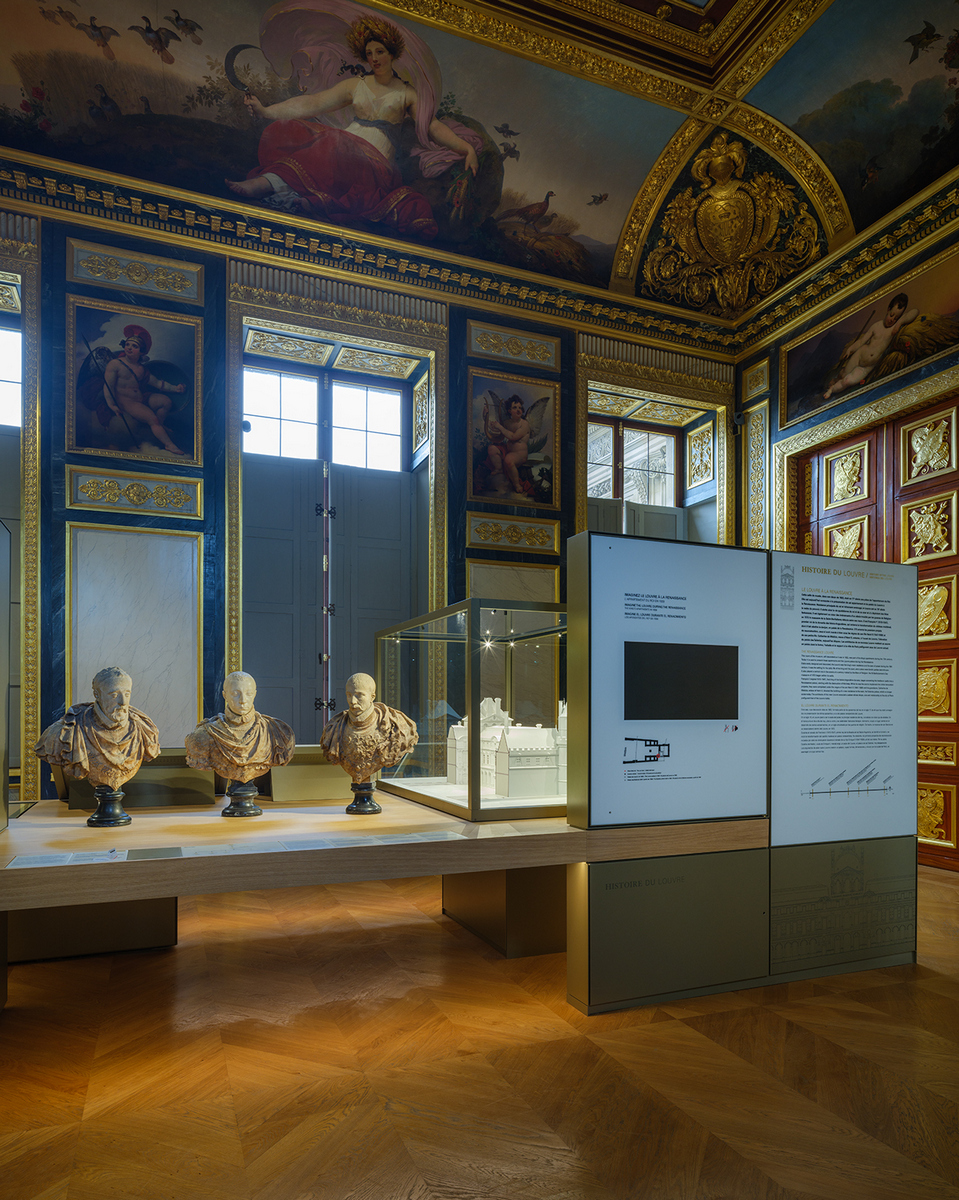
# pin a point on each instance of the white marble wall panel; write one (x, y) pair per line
(135, 603)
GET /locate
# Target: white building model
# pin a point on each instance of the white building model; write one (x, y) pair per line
(516, 761)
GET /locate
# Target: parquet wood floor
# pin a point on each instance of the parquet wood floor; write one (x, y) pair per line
(349, 1042)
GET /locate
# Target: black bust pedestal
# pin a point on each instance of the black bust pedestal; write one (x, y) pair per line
(109, 811)
(242, 797)
(363, 802)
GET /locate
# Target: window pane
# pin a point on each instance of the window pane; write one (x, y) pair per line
(10, 404)
(299, 399)
(263, 437)
(349, 406)
(11, 357)
(635, 448)
(635, 487)
(383, 451)
(599, 480)
(384, 412)
(662, 450)
(261, 393)
(599, 444)
(349, 447)
(661, 489)
(297, 440)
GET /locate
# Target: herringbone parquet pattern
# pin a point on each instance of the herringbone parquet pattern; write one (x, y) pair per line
(351, 1043)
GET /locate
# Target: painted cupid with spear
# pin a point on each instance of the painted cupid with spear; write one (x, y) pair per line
(129, 389)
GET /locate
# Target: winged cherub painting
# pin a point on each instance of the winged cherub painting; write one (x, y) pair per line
(513, 439)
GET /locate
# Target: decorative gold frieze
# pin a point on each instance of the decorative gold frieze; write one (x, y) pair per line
(293, 349)
(516, 533)
(421, 412)
(937, 754)
(937, 609)
(928, 447)
(128, 491)
(755, 458)
(807, 547)
(847, 540)
(937, 690)
(350, 358)
(755, 380)
(699, 456)
(665, 414)
(513, 345)
(735, 241)
(846, 476)
(929, 528)
(936, 814)
(807, 490)
(106, 266)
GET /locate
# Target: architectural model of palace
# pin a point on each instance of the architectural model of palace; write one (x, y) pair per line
(516, 761)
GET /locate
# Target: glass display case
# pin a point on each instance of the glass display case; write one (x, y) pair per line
(485, 682)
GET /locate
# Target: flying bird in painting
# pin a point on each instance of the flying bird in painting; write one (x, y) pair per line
(505, 131)
(100, 36)
(869, 173)
(157, 39)
(509, 150)
(529, 214)
(186, 27)
(49, 14)
(598, 200)
(69, 17)
(923, 39)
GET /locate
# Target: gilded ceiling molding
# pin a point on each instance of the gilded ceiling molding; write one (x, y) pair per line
(545, 48)
(638, 224)
(810, 172)
(772, 45)
(786, 452)
(644, 381)
(305, 306)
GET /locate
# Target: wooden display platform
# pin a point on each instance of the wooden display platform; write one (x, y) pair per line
(185, 851)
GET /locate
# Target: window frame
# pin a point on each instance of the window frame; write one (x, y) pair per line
(619, 425)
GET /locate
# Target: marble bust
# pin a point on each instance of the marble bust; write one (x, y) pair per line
(104, 740)
(239, 743)
(367, 735)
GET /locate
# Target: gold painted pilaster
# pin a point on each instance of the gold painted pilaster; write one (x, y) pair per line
(29, 273)
(755, 435)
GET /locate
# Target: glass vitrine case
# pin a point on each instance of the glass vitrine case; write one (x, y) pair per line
(485, 682)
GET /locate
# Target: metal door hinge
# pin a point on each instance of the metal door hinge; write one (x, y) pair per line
(319, 704)
(326, 512)
(329, 610)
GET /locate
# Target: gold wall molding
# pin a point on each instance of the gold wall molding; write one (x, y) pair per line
(670, 384)
(787, 451)
(31, 615)
(755, 380)
(516, 346)
(272, 344)
(307, 307)
(526, 534)
(846, 539)
(927, 448)
(134, 492)
(10, 291)
(772, 44)
(934, 814)
(699, 456)
(108, 266)
(755, 434)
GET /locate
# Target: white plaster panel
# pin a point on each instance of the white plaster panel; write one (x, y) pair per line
(135, 604)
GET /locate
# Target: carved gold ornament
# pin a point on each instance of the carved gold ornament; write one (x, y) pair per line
(733, 243)
(932, 803)
(492, 531)
(665, 414)
(934, 693)
(846, 476)
(699, 453)
(110, 269)
(352, 359)
(278, 345)
(846, 541)
(933, 618)
(421, 412)
(930, 449)
(942, 754)
(930, 527)
(755, 481)
(513, 347)
(109, 491)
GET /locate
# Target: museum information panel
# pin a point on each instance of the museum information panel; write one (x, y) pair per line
(843, 699)
(676, 679)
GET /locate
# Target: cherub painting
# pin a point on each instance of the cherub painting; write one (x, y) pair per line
(132, 382)
(513, 444)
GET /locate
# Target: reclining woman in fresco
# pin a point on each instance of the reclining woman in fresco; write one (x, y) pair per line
(309, 165)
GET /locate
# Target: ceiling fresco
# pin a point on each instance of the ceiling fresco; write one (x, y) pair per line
(494, 141)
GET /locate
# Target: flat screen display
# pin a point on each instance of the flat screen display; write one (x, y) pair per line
(680, 681)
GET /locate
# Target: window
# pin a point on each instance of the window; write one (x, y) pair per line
(11, 375)
(625, 461)
(367, 427)
(280, 414)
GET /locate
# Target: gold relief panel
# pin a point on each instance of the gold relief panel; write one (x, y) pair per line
(937, 690)
(847, 539)
(513, 345)
(845, 476)
(350, 358)
(756, 380)
(937, 609)
(665, 414)
(421, 411)
(106, 266)
(937, 814)
(133, 492)
(928, 528)
(699, 456)
(937, 754)
(513, 533)
(807, 546)
(294, 349)
(928, 448)
(9, 292)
